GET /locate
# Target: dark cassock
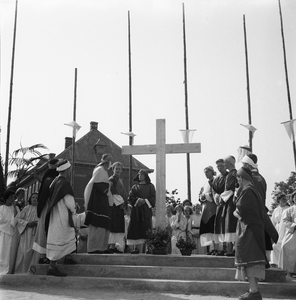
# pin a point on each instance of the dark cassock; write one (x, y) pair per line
(141, 215)
(219, 226)
(229, 207)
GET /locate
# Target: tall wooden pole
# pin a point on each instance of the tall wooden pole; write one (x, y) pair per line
(74, 132)
(130, 101)
(248, 87)
(287, 78)
(186, 106)
(10, 97)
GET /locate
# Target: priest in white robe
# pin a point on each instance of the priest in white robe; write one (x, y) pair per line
(59, 225)
(287, 257)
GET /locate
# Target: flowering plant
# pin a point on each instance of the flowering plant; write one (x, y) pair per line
(158, 238)
(187, 243)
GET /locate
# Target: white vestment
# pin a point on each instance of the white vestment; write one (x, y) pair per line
(277, 221)
(61, 238)
(8, 239)
(287, 257)
(26, 256)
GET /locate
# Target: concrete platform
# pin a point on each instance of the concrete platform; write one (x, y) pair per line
(202, 275)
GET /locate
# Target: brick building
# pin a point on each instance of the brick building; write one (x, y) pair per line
(87, 154)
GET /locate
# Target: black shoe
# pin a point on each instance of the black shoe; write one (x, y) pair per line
(135, 251)
(232, 253)
(96, 252)
(220, 253)
(115, 250)
(69, 261)
(250, 296)
(56, 272)
(108, 252)
(44, 261)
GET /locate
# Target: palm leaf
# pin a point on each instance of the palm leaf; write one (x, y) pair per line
(39, 157)
(31, 149)
(13, 173)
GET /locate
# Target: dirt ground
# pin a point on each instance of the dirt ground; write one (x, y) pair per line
(27, 293)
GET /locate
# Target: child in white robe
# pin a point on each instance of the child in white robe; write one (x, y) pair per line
(26, 223)
(8, 236)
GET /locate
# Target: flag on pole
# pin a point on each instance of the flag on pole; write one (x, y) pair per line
(290, 128)
(75, 127)
(250, 127)
(131, 134)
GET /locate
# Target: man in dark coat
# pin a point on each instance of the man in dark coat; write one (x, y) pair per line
(250, 257)
(271, 236)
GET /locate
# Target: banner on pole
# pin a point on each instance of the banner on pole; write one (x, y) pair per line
(290, 128)
(75, 127)
(250, 127)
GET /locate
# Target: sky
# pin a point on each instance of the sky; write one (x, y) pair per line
(56, 36)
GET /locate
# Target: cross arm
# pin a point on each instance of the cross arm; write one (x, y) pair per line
(169, 149)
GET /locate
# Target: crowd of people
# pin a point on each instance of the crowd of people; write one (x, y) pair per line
(231, 219)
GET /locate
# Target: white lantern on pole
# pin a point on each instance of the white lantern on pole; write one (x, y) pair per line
(187, 135)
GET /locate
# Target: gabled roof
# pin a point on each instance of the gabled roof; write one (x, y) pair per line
(88, 151)
(90, 147)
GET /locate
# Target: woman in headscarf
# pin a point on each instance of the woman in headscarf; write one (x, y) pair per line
(142, 198)
(250, 257)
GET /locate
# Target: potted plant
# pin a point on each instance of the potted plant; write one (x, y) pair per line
(186, 245)
(158, 240)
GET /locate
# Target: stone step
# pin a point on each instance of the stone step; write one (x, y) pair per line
(155, 260)
(156, 272)
(280, 290)
(196, 274)
(219, 266)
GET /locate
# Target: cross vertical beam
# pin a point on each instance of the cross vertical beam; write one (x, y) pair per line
(160, 173)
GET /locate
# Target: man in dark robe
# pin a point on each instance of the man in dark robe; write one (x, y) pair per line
(218, 189)
(229, 208)
(142, 198)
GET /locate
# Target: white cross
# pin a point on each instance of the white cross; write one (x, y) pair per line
(161, 149)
